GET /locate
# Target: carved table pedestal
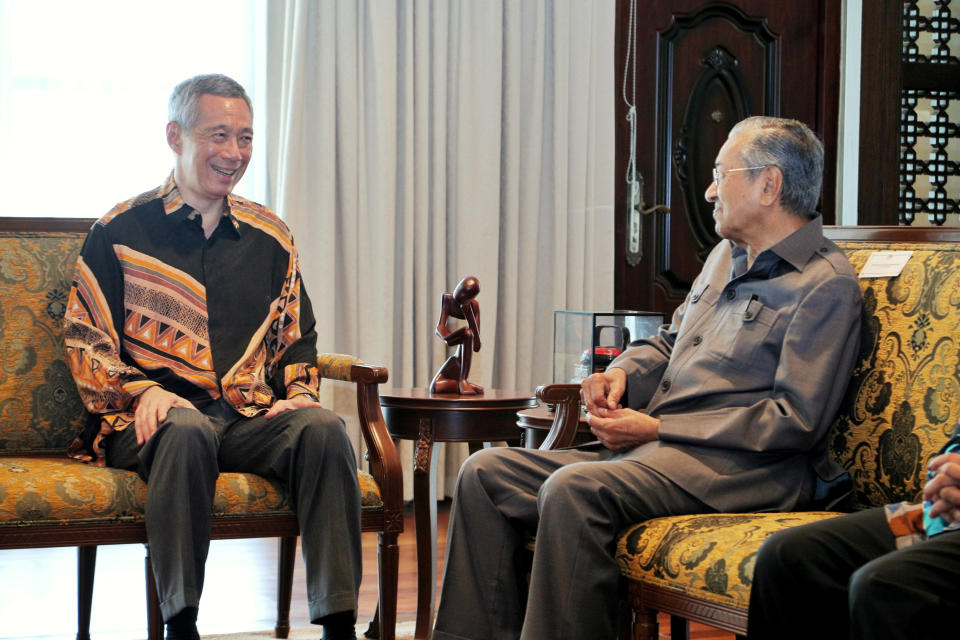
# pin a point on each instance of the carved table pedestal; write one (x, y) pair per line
(425, 418)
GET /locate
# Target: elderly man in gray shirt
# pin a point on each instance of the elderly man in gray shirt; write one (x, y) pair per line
(725, 409)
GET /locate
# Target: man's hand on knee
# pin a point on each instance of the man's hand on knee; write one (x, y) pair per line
(152, 407)
(301, 401)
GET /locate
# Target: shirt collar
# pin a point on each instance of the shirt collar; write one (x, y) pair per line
(177, 210)
(795, 249)
(799, 246)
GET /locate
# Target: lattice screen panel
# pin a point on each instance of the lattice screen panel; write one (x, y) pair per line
(928, 27)
(929, 132)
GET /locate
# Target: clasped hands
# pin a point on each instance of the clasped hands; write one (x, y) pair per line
(616, 427)
(943, 490)
(154, 403)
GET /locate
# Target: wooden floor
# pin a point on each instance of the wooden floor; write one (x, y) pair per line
(38, 589)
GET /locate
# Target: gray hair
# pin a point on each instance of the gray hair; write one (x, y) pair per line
(182, 107)
(795, 149)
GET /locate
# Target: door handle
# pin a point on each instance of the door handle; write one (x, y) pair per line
(636, 208)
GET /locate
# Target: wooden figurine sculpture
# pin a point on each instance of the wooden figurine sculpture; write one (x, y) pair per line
(462, 304)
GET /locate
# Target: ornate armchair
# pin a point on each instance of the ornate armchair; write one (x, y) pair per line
(49, 500)
(899, 409)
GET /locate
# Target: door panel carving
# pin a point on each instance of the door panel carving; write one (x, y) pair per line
(703, 66)
(717, 98)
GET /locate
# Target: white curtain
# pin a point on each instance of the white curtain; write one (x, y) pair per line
(412, 143)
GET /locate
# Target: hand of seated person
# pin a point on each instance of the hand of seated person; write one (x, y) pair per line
(152, 407)
(620, 429)
(944, 489)
(603, 390)
(296, 402)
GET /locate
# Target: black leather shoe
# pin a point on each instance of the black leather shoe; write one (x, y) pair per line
(339, 626)
(183, 634)
(183, 626)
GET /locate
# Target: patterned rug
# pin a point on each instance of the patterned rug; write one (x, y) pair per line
(404, 632)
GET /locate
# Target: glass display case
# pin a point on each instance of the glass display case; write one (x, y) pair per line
(587, 341)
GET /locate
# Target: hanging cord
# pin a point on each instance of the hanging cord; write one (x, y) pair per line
(631, 102)
(635, 204)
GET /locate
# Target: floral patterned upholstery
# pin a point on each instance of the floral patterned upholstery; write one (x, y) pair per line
(41, 490)
(902, 402)
(900, 407)
(709, 556)
(336, 366)
(40, 410)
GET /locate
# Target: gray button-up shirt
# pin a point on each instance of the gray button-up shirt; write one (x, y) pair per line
(748, 377)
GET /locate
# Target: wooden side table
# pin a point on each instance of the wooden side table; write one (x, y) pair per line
(535, 424)
(418, 415)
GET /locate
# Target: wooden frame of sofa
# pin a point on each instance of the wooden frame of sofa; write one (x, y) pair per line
(385, 468)
(647, 600)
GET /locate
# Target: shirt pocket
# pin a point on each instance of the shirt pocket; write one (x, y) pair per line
(741, 333)
(701, 304)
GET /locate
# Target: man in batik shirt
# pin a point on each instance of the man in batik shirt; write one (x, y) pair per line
(192, 342)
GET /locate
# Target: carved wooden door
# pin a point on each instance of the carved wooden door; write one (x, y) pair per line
(701, 67)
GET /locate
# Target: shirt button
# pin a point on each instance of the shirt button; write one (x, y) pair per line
(731, 294)
(697, 340)
(665, 385)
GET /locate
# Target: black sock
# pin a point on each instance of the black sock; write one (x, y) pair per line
(338, 626)
(183, 626)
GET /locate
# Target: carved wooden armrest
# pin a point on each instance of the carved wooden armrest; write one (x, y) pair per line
(566, 419)
(381, 451)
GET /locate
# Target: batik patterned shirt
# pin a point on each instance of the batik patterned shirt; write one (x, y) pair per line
(156, 303)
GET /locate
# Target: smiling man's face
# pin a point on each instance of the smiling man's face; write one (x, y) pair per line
(213, 155)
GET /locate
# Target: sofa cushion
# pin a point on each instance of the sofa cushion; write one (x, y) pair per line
(40, 409)
(707, 556)
(902, 400)
(41, 490)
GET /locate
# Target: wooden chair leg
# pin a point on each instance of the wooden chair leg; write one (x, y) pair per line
(86, 567)
(154, 617)
(285, 565)
(679, 628)
(625, 620)
(645, 623)
(389, 569)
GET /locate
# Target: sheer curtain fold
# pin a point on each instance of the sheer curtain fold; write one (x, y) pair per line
(413, 143)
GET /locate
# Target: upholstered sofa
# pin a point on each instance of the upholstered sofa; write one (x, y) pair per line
(902, 402)
(48, 499)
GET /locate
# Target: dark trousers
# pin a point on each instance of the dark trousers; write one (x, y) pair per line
(306, 450)
(844, 578)
(576, 501)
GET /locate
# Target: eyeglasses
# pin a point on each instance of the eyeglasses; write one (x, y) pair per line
(718, 174)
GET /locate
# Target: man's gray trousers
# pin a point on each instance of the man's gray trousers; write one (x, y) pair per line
(575, 502)
(307, 450)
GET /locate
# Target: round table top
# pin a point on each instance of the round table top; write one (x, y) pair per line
(489, 399)
(542, 418)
